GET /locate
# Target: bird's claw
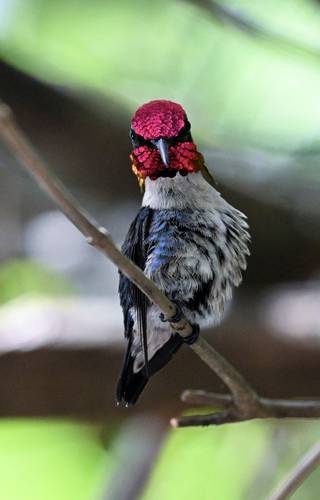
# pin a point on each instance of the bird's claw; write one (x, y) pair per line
(174, 319)
(193, 337)
(190, 339)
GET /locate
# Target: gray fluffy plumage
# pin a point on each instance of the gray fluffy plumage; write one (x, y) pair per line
(193, 245)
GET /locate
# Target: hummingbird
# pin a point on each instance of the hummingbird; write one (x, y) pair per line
(186, 238)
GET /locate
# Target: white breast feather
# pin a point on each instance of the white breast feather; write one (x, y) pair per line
(195, 193)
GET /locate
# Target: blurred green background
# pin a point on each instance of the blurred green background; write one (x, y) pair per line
(248, 74)
(239, 87)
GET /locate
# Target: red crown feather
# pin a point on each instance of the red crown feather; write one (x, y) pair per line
(158, 118)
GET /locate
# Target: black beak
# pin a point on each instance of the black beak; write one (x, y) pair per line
(163, 148)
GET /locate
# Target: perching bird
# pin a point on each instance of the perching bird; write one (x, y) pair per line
(185, 237)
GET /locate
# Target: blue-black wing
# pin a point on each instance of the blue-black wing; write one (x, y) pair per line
(136, 248)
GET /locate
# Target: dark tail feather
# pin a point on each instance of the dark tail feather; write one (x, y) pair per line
(131, 384)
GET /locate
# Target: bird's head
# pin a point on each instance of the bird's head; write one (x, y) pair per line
(162, 142)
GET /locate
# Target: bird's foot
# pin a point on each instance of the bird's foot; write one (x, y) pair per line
(190, 339)
(193, 337)
(174, 319)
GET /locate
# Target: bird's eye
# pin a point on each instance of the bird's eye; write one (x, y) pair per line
(184, 134)
(137, 140)
(187, 126)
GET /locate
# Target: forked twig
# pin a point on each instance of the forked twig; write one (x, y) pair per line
(226, 408)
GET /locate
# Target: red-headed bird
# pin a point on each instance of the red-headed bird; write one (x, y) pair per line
(186, 238)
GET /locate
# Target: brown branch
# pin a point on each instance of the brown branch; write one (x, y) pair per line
(245, 403)
(217, 418)
(298, 474)
(231, 16)
(203, 398)
(268, 408)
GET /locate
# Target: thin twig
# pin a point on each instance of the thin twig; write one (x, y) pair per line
(203, 398)
(268, 408)
(245, 404)
(239, 20)
(282, 408)
(217, 418)
(298, 474)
